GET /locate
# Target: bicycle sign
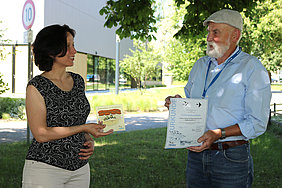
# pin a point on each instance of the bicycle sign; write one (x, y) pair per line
(28, 14)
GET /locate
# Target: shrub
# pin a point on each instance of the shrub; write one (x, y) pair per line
(15, 107)
(3, 86)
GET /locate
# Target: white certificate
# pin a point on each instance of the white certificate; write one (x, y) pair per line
(186, 122)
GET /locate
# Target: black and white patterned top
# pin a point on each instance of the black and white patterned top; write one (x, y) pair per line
(64, 109)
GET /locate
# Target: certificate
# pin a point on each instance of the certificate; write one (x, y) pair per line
(112, 117)
(186, 122)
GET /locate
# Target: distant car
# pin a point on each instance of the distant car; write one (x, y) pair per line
(122, 80)
(93, 78)
(274, 80)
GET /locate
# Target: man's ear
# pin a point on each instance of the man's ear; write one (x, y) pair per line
(235, 35)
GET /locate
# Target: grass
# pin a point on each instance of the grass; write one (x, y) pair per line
(276, 87)
(135, 101)
(137, 159)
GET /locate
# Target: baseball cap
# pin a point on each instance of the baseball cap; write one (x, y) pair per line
(226, 16)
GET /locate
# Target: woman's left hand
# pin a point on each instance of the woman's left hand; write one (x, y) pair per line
(86, 153)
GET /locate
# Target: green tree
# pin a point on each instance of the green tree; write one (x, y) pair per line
(3, 85)
(136, 19)
(262, 33)
(142, 64)
(179, 55)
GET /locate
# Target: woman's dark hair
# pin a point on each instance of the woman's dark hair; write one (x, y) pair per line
(51, 41)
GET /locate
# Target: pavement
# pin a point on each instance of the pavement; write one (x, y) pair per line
(12, 131)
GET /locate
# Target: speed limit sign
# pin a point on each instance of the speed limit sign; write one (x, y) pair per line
(28, 14)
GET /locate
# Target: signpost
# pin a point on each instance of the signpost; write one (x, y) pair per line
(117, 65)
(28, 16)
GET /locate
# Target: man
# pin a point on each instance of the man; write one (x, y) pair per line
(238, 91)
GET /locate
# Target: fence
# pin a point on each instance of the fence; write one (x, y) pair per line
(276, 111)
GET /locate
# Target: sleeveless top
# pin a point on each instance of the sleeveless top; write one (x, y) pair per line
(64, 109)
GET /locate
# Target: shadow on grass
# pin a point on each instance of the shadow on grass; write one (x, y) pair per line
(12, 135)
(138, 159)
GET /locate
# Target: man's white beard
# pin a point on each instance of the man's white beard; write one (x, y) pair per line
(217, 51)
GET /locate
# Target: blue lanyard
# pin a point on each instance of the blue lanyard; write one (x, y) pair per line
(216, 76)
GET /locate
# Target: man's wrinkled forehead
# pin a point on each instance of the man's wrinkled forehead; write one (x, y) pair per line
(219, 26)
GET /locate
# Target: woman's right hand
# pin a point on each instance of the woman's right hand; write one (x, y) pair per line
(167, 100)
(96, 130)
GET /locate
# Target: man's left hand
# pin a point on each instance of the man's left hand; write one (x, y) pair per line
(208, 138)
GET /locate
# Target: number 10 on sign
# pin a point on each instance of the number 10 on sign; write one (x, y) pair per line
(28, 14)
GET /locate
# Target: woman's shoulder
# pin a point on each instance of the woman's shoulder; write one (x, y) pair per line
(35, 80)
(41, 83)
(76, 76)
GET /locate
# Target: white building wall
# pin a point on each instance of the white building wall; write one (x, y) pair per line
(83, 16)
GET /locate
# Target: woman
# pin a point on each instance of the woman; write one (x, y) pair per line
(57, 109)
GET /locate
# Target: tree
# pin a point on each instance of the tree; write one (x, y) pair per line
(262, 33)
(135, 18)
(179, 56)
(3, 85)
(142, 64)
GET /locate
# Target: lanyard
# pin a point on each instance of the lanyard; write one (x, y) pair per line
(216, 76)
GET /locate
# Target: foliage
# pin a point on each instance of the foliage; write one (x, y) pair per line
(142, 64)
(262, 33)
(198, 11)
(12, 106)
(179, 55)
(135, 18)
(3, 86)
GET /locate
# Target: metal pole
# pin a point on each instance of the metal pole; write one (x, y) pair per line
(274, 109)
(117, 65)
(29, 76)
(13, 68)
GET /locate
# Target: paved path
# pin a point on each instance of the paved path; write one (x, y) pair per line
(11, 131)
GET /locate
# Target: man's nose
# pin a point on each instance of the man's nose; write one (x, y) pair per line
(209, 38)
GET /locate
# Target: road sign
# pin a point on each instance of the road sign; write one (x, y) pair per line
(28, 14)
(28, 36)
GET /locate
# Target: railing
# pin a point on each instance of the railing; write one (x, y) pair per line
(276, 111)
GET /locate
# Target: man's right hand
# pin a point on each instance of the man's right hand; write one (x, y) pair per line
(167, 100)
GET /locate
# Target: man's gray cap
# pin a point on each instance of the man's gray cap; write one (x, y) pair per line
(226, 16)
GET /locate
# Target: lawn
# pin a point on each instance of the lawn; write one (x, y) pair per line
(276, 87)
(135, 101)
(138, 159)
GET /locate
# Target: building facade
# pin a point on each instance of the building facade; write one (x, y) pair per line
(96, 45)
